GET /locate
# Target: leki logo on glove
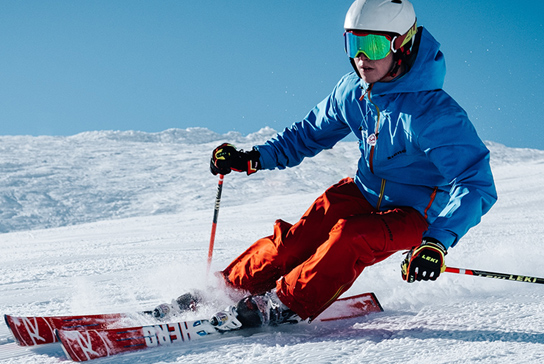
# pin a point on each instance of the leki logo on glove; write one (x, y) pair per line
(221, 154)
(430, 259)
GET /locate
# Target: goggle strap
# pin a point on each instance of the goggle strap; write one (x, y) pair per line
(400, 41)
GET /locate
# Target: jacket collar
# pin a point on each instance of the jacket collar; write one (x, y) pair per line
(426, 73)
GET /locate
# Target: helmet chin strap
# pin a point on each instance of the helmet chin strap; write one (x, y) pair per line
(400, 57)
(397, 62)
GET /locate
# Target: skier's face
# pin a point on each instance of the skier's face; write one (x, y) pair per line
(374, 71)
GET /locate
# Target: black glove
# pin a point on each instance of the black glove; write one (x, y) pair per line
(226, 158)
(424, 262)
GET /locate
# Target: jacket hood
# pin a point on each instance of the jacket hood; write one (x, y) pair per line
(426, 73)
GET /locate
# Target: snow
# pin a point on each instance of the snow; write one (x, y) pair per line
(113, 221)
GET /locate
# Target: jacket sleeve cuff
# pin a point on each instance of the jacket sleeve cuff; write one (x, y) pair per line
(266, 159)
(446, 238)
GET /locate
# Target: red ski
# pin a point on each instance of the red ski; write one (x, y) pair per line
(29, 331)
(92, 344)
(83, 345)
(350, 307)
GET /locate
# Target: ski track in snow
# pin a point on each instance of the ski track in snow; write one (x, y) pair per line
(120, 221)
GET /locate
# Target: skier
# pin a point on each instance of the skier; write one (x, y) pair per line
(423, 178)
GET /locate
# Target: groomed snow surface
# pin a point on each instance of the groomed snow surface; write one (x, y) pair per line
(120, 221)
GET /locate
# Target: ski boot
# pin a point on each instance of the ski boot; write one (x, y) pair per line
(185, 302)
(255, 311)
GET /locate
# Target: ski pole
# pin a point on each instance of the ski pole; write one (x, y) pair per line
(486, 274)
(214, 224)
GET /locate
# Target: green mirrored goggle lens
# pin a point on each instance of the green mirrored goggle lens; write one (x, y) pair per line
(373, 46)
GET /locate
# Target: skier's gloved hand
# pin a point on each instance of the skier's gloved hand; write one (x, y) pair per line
(225, 158)
(424, 262)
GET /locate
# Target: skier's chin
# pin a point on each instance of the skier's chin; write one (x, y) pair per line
(369, 75)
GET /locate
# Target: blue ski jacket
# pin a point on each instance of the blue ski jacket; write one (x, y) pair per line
(418, 147)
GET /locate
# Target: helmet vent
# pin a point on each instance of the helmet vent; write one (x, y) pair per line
(396, 1)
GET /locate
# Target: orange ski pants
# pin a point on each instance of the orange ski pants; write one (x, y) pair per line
(312, 262)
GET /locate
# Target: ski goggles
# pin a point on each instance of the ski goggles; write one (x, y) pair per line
(373, 46)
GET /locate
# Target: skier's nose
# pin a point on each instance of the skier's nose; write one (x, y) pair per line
(362, 58)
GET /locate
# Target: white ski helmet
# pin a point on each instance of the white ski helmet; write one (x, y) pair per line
(394, 17)
(387, 16)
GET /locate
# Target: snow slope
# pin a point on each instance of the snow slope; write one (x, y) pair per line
(119, 221)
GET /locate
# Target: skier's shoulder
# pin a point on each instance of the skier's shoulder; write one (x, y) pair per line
(349, 81)
(346, 87)
(433, 107)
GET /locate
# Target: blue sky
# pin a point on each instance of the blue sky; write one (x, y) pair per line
(73, 66)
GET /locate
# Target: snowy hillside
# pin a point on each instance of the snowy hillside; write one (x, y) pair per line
(57, 181)
(120, 221)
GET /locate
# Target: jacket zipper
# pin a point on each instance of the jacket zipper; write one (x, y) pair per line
(380, 198)
(373, 145)
(433, 195)
(376, 133)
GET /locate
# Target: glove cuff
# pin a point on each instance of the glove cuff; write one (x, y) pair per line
(253, 161)
(434, 243)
